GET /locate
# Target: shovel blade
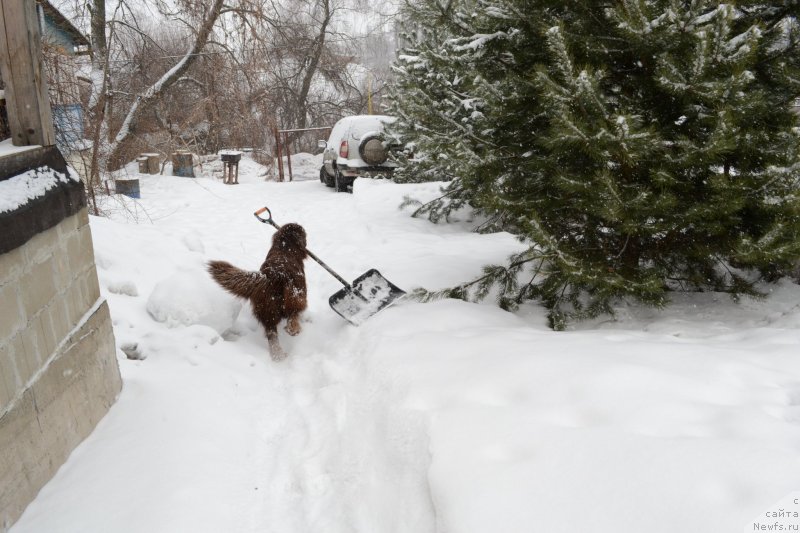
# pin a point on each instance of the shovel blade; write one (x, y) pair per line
(368, 294)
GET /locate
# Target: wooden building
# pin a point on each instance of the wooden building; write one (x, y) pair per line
(58, 366)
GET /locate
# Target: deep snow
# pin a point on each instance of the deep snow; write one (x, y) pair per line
(445, 417)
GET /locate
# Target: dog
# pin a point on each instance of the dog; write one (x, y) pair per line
(278, 290)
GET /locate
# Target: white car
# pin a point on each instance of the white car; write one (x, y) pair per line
(357, 146)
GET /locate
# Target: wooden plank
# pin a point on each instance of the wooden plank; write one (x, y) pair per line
(7, 17)
(288, 155)
(29, 116)
(279, 155)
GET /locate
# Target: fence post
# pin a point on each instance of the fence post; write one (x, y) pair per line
(288, 154)
(280, 156)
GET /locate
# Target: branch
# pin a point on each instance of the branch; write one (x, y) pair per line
(153, 93)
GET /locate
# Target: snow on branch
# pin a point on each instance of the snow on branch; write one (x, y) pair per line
(475, 42)
(151, 94)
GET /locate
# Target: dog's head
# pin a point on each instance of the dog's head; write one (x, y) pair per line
(291, 238)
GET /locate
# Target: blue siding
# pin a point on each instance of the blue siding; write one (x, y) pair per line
(57, 36)
(68, 122)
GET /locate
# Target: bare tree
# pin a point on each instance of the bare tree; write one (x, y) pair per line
(145, 100)
(218, 73)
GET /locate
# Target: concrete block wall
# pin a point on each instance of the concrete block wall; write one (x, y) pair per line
(58, 367)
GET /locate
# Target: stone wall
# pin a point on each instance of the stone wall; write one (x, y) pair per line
(58, 367)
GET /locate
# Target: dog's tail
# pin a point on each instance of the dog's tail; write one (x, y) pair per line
(235, 280)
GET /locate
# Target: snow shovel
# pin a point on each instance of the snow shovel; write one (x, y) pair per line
(368, 294)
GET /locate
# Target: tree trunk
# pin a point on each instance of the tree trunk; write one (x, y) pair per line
(149, 97)
(319, 47)
(631, 255)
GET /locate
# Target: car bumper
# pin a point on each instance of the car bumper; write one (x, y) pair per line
(355, 172)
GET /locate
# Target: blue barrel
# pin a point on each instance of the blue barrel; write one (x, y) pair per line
(128, 187)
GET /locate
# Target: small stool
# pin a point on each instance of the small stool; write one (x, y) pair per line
(230, 166)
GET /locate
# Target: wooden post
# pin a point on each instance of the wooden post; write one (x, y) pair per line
(153, 162)
(28, 104)
(280, 156)
(288, 155)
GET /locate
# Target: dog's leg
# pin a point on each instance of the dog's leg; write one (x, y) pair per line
(293, 325)
(294, 297)
(275, 350)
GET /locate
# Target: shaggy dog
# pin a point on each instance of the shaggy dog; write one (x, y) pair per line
(278, 290)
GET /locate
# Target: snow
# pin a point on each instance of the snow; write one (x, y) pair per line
(476, 41)
(439, 417)
(304, 166)
(7, 148)
(708, 17)
(96, 76)
(21, 189)
(358, 126)
(189, 297)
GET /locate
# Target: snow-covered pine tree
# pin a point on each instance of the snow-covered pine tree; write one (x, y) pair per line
(436, 97)
(638, 145)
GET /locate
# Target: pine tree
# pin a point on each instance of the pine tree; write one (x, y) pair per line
(437, 80)
(639, 146)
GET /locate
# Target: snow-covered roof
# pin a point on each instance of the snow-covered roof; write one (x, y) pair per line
(369, 120)
(63, 23)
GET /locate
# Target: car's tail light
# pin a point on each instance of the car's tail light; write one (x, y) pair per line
(344, 149)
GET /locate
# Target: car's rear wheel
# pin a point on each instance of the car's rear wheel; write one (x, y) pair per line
(342, 183)
(325, 178)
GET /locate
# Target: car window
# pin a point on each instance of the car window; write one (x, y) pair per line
(336, 134)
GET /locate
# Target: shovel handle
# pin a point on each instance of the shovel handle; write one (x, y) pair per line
(269, 220)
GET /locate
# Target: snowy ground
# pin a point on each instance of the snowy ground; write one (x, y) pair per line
(442, 417)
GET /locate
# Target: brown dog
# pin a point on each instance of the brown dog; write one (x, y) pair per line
(278, 290)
